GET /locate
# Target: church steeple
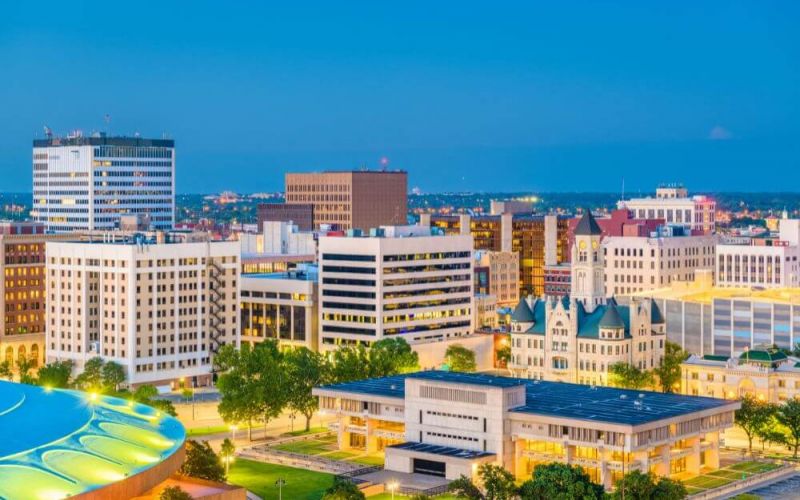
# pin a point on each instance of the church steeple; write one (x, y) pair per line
(588, 285)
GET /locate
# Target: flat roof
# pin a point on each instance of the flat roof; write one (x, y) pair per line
(557, 399)
(103, 141)
(445, 451)
(706, 295)
(290, 275)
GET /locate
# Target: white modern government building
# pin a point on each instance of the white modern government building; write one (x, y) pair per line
(87, 183)
(673, 204)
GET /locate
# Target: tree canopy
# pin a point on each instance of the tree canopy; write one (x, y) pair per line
(557, 481)
(460, 359)
(668, 373)
(202, 462)
(628, 376)
(637, 485)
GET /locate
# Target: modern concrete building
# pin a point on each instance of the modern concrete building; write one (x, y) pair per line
(403, 281)
(538, 240)
(359, 199)
(302, 215)
(766, 374)
(87, 183)
(722, 321)
(280, 306)
(673, 204)
(637, 263)
(444, 424)
(762, 262)
(160, 305)
(497, 274)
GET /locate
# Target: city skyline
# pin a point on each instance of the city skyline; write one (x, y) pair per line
(659, 95)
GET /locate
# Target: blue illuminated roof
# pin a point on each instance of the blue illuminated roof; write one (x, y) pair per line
(59, 443)
(602, 404)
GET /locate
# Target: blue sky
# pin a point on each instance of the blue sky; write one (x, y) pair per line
(540, 96)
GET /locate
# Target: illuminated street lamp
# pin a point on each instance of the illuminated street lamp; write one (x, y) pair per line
(234, 428)
(392, 487)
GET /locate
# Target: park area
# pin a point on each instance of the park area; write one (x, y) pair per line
(727, 475)
(326, 447)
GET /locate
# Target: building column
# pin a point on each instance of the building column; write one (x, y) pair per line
(519, 461)
(693, 460)
(712, 453)
(342, 436)
(371, 440)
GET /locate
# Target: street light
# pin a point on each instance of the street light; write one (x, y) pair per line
(280, 483)
(392, 487)
(234, 428)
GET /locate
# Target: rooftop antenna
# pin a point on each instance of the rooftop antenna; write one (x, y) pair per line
(47, 132)
(107, 121)
(384, 163)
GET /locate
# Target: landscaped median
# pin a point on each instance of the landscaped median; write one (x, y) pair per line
(728, 476)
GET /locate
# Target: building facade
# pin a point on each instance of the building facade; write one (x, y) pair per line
(159, 305)
(404, 281)
(767, 263)
(538, 240)
(501, 275)
(87, 183)
(444, 425)
(674, 205)
(302, 215)
(637, 263)
(359, 199)
(280, 306)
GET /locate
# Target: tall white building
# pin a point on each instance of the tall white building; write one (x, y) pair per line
(762, 262)
(402, 281)
(674, 205)
(159, 305)
(87, 183)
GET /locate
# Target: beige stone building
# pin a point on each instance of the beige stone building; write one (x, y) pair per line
(639, 263)
(359, 199)
(442, 425)
(160, 305)
(577, 339)
(501, 273)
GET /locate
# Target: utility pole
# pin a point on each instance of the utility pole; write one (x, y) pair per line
(280, 483)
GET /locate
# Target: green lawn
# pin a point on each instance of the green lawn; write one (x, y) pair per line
(367, 460)
(260, 478)
(313, 430)
(721, 477)
(309, 446)
(388, 496)
(205, 431)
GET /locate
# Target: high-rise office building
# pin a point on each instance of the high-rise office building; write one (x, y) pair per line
(158, 304)
(87, 183)
(403, 281)
(359, 199)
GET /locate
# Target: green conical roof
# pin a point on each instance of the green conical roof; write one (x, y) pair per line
(611, 318)
(655, 314)
(522, 313)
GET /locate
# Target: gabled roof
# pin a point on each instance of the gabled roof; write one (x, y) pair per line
(522, 313)
(587, 226)
(611, 318)
(539, 318)
(589, 324)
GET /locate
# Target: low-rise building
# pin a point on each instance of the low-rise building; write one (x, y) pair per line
(673, 204)
(445, 424)
(766, 374)
(485, 315)
(762, 262)
(497, 273)
(280, 306)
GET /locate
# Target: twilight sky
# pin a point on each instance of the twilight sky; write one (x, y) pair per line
(500, 96)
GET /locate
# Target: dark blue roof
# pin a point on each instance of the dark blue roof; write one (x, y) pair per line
(589, 323)
(611, 318)
(446, 451)
(655, 314)
(522, 313)
(587, 226)
(602, 404)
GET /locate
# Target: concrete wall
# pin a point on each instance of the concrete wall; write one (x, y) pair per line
(431, 354)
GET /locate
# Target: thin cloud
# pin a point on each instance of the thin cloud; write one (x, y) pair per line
(719, 133)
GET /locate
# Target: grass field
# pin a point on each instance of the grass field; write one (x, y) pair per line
(726, 475)
(260, 478)
(327, 447)
(206, 431)
(388, 496)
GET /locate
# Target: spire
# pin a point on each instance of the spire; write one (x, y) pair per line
(587, 226)
(611, 318)
(522, 313)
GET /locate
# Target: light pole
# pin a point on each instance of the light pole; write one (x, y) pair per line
(233, 432)
(280, 483)
(392, 487)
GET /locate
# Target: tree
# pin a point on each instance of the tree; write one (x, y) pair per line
(253, 384)
(391, 356)
(146, 394)
(227, 451)
(460, 359)
(305, 370)
(503, 355)
(497, 482)
(174, 493)
(788, 415)
(202, 462)
(56, 374)
(5, 370)
(91, 379)
(342, 489)
(753, 417)
(637, 485)
(187, 393)
(628, 376)
(24, 367)
(463, 487)
(556, 481)
(669, 372)
(112, 375)
(348, 364)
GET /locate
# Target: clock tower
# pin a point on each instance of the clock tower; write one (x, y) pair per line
(588, 284)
